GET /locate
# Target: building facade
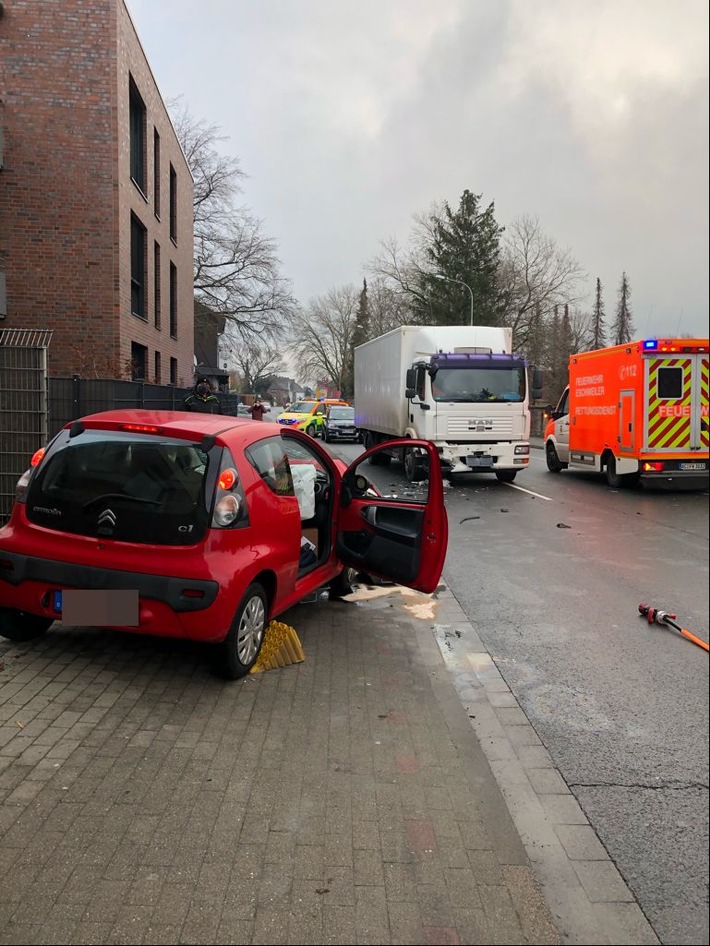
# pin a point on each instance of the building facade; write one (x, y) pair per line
(96, 226)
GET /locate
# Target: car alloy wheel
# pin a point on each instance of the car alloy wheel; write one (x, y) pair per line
(241, 646)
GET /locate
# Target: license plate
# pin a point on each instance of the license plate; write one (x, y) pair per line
(693, 466)
(479, 461)
(100, 608)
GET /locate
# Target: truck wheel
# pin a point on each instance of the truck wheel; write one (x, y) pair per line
(414, 465)
(21, 626)
(506, 476)
(554, 464)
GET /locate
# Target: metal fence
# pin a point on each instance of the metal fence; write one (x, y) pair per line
(23, 405)
(33, 408)
(74, 397)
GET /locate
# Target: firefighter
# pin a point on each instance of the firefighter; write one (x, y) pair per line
(202, 400)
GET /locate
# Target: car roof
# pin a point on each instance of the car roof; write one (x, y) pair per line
(180, 424)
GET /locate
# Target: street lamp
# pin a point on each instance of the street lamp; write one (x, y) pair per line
(461, 283)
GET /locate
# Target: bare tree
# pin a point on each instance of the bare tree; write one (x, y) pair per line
(400, 271)
(534, 274)
(257, 365)
(237, 270)
(322, 338)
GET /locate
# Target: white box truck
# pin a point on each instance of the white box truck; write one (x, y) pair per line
(459, 386)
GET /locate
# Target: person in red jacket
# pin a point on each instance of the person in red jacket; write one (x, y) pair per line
(258, 410)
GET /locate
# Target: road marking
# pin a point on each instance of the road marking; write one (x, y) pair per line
(529, 492)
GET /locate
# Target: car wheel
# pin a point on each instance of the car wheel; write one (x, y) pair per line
(342, 584)
(22, 626)
(506, 476)
(311, 430)
(326, 437)
(240, 648)
(554, 464)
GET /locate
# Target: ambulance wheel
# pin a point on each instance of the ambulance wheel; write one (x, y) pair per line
(311, 430)
(614, 479)
(554, 464)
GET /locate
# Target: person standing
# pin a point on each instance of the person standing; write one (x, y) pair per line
(202, 400)
(257, 410)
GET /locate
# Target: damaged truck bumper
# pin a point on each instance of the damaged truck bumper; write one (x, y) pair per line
(483, 457)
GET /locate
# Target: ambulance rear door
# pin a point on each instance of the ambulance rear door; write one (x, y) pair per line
(677, 388)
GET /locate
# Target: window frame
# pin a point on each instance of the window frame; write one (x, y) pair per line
(139, 239)
(137, 136)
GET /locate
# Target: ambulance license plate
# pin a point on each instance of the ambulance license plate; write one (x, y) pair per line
(693, 466)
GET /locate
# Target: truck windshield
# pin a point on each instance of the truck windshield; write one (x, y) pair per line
(477, 384)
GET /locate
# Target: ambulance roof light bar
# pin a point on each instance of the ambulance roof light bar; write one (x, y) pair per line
(671, 345)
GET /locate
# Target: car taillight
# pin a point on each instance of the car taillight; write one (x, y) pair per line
(226, 511)
(21, 486)
(227, 478)
(230, 508)
(37, 457)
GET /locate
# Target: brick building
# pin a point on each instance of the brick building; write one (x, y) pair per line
(95, 195)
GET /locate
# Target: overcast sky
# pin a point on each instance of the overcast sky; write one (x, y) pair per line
(351, 116)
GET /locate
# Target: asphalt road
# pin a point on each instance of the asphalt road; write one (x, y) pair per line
(552, 582)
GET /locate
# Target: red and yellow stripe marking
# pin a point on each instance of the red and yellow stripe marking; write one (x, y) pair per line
(669, 420)
(704, 436)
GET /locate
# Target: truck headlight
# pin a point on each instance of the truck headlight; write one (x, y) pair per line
(522, 448)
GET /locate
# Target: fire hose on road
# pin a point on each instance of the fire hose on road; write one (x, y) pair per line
(656, 616)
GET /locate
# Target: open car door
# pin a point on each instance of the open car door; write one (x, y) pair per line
(402, 536)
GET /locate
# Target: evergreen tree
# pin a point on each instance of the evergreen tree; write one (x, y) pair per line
(623, 327)
(463, 246)
(559, 352)
(360, 334)
(598, 331)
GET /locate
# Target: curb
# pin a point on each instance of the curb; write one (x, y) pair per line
(588, 897)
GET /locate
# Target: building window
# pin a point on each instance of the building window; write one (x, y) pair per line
(138, 272)
(157, 276)
(156, 172)
(173, 301)
(138, 359)
(156, 368)
(137, 130)
(173, 371)
(173, 204)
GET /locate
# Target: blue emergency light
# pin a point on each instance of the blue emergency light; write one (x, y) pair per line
(650, 344)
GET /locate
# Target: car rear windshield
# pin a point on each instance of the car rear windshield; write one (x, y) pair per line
(341, 413)
(124, 486)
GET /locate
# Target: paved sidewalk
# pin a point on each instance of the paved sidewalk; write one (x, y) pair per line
(346, 799)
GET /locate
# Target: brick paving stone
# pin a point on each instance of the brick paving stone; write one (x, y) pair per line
(342, 800)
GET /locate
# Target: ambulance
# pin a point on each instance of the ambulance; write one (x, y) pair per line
(637, 412)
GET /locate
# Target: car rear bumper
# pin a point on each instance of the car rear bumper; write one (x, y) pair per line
(169, 606)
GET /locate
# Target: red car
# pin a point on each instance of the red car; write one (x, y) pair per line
(201, 526)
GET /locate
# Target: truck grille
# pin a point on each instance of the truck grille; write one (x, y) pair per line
(483, 428)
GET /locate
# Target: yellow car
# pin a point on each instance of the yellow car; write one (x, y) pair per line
(308, 415)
